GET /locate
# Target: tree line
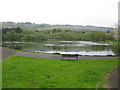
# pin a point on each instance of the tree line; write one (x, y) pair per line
(18, 34)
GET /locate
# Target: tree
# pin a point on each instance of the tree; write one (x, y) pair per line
(94, 36)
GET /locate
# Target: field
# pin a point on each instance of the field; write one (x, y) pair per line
(28, 72)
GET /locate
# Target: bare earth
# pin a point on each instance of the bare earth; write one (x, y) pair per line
(113, 77)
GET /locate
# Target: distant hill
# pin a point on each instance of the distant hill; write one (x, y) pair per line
(33, 26)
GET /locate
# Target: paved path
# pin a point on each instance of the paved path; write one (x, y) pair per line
(38, 55)
(114, 78)
(8, 52)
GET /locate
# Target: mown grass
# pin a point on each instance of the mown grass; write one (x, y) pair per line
(28, 72)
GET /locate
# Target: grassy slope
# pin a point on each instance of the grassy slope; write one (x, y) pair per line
(113, 42)
(23, 72)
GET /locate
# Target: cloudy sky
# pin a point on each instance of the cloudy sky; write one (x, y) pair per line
(75, 12)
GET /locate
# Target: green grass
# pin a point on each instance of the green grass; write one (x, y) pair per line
(112, 42)
(27, 72)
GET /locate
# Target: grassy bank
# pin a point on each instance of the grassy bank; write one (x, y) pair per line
(27, 72)
(112, 42)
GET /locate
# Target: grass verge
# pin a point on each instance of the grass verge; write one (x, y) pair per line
(28, 72)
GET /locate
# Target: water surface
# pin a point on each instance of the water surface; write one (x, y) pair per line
(64, 47)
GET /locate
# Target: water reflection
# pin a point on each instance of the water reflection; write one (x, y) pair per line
(65, 47)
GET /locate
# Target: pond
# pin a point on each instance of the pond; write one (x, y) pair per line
(64, 47)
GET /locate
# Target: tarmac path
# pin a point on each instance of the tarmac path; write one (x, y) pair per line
(9, 52)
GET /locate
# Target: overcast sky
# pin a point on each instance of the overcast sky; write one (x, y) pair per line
(74, 12)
